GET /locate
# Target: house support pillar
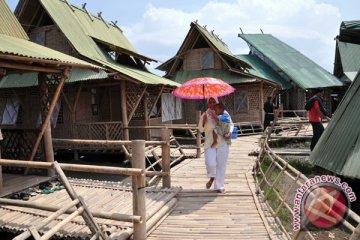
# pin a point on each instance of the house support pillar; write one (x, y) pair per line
(124, 110)
(47, 109)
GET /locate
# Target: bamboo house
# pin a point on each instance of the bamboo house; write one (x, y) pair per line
(204, 54)
(89, 108)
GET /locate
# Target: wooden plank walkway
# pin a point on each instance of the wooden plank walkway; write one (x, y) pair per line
(204, 214)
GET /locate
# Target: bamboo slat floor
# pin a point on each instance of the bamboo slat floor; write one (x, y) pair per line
(204, 214)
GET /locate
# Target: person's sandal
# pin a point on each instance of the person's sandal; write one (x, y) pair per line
(209, 183)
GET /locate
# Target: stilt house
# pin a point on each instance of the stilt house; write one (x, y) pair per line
(50, 69)
(103, 108)
(204, 54)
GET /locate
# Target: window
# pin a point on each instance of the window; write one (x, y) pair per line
(207, 60)
(11, 111)
(241, 102)
(94, 105)
(171, 107)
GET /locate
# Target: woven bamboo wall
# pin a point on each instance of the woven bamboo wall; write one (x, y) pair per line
(253, 99)
(252, 113)
(192, 59)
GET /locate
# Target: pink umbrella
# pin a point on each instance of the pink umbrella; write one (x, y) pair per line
(201, 88)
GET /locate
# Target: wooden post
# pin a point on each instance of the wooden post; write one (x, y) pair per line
(49, 114)
(261, 102)
(124, 111)
(165, 154)
(198, 136)
(49, 149)
(146, 118)
(138, 186)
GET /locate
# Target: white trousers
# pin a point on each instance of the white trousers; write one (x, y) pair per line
(215, 161)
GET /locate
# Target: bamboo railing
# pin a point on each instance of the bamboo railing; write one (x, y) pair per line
(138, 173)
(269, 180)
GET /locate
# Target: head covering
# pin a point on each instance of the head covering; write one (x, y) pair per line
(214, 97)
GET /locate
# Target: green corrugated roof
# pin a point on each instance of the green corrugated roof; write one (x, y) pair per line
(301, 70)
(137, 74)
(31, 79)
(218, 44)
(226, 76)
(82, 32)
(20, 47)
(350, 25)
(9, 25)
(338, 149)
(350, 58)
(262, 70)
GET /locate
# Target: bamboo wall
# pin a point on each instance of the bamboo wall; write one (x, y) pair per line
(253, 100)
(192, 59)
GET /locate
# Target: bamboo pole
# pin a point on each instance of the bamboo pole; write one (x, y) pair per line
(56, 63)
(198, 136)
(31, 68)
(165, 153)
(124, 110)
(48, 147)
(44, 222)
(74, 167)
(51, 110)
(56, 228)
(110, 143)
(137, 104)
(261, 102)
(146, 118)
(138, 185)
(88, 218)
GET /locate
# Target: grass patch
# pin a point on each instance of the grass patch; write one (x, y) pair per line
(284, 215)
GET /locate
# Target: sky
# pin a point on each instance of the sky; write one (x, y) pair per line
(157, 28)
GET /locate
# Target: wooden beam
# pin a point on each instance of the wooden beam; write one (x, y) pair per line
(146, 118)
(137, 104)
(51, 110)
(54, 63)
(156, 100)
(30, 68)
(124, 109)
(261, 102)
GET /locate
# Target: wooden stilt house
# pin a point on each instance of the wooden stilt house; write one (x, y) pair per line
(301, 73)
(204, 54)
(104, 108)
(19, 56)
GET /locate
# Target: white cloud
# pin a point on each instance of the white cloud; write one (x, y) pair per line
(307, 25)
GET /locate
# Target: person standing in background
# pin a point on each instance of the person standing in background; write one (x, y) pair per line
(316, 113)
(269, 112)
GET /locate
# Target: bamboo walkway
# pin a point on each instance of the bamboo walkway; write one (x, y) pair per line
(204, 214)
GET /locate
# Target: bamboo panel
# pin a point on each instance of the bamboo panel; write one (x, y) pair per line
(115, 198)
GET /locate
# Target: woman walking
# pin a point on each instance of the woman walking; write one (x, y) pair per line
(215, 156)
